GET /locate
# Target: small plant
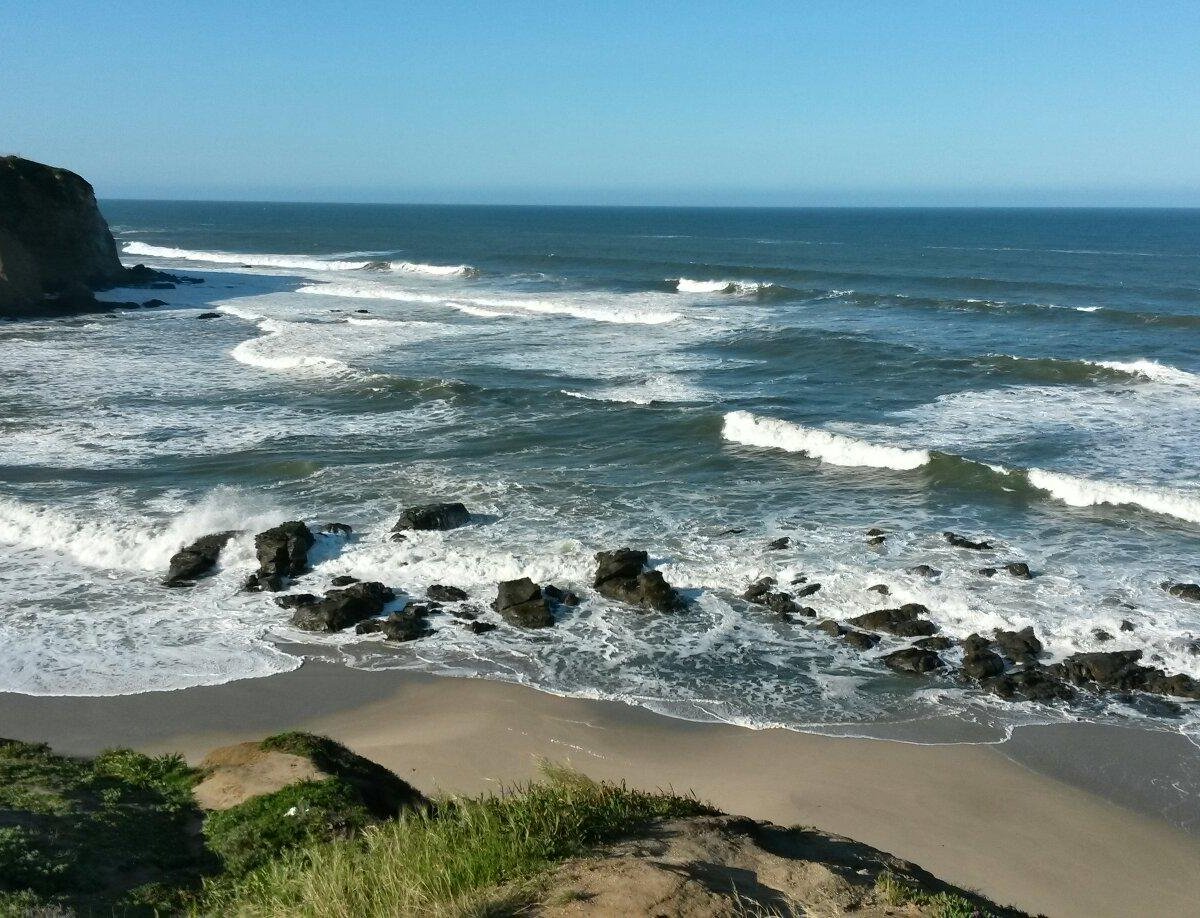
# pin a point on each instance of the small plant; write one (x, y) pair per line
(894, 889)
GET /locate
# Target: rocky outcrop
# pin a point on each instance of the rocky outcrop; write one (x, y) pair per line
(620, 576)
(432, 517)
(1188, 591)
(282, 554)
(342, 608)
(521, 603)
(196, 560)
(905, 621)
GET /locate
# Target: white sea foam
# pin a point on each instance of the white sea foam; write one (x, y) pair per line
(658, 388)
(687, 285)
(295, 262)
(258, 352)
(1085, 492)
(1151, 370)
(835, 449)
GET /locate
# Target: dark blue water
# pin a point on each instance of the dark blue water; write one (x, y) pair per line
(591, 377)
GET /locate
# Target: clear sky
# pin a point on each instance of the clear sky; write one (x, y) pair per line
(645, 102)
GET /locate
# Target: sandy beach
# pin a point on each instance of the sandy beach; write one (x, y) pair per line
(1056, 821)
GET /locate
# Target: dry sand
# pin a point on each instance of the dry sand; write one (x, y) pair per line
(968, 813)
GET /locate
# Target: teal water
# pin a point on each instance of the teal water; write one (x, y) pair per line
(587, 378)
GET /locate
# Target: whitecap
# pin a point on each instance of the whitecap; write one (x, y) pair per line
(835, 449)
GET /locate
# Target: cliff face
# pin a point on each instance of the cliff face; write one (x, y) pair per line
(52, 236)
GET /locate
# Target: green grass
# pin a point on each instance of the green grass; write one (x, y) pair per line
(473, 856)
(897, 890)
(116, 833)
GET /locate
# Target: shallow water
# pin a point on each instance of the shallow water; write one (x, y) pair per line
(586, 378)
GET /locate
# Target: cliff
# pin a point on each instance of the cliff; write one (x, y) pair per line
(53, 240)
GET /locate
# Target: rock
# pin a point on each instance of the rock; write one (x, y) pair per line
(619, 576)
(924, 570)
(404, 626)
(757, 590)
(807, 611)
(1126, 625)
(876, 541)
(520, 602)
(1188, 591)
(1179, 685)
(343, 580)
(433, 516)
(343, 608)
(296, 600)
(937, 642)
(963, 542)
(479, 627)
(155, 304)
(808, 590)
(780, 603)
(876, 532)
(562, 597)
(282, 552)
(1033, 683)
(779, 544)
(203, 315)
(271, 583)
(369, 626)
(988, 571)
(799, 578)
(903, 622)
(339, 529)
(621, 564)
(442, 593)
(1019, 569)
(1019, 646)
(53, 240)
(881, 589)
(982, 665)
(197, 559)
(861, 640)
(1117, 669)
(467, 613)
(830, 627)
(1101, 635)
(913, 660)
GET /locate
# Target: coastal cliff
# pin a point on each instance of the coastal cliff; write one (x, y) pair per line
(55, 247)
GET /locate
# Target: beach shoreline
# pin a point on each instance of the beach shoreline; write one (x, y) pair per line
(1060, 820)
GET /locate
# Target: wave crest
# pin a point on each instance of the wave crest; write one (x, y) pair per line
(297, 262)
(835, 449)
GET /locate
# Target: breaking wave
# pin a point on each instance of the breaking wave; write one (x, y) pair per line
(836, 449)
(297, 262)
(1084, 492)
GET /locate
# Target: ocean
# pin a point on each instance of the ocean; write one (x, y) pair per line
(693, 382)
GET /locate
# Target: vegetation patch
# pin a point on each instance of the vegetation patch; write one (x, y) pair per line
(894, 889)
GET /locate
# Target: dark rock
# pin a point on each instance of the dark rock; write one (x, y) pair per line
(876, 532)
(780, 543)
(404, 626)
(283, 551)
(341, 529)
(467, 613)
(913, 660)
(343, 608)
(1117, 669)
(876, 541)
(619, 576)
(369, 626)
(1126, 625)
(296, 600)
(433, 516)
(520, 602)
(982, 665)
(830, 627)
(861, 640)
(1033, 683)
(924, 570)
(203, 315)
(780, 603)
(963, 542)
(937, 642)
(988, 571)
(562, 597)
(1101, 635)
(155, 304)
(343, 580)
(197, 559)
(903, 622)
(1179, 685)
(729, 532)
(259, 583)
(808, 590)
(479, 627)
(880, 588)
(443, 593)
(621, 564)
(1019, 569)
(757, 590)
(807, 611)
(799, 578)
(1019, 646)
(1188, 591)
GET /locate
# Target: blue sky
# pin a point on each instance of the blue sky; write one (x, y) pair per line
(642, 102)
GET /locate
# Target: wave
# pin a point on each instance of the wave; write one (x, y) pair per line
(1085, 492)
(1054, 369)
(657, 389)
(1151, 370)
(252, 354)
(297, 262)
(836, 449)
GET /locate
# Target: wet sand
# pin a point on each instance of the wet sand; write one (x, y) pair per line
(1073, 820)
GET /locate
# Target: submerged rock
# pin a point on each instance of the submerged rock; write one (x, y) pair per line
(197, 559)
(905, 621)
(343, 608)
(433, 517)
(1019, 569)
(520, 602)
(560, 596)
(1188, 591)
(442, 593)
(959, 541)
(861, 640)
(982, 664)
(924, 570)
(779, 544)
(913, 660)
(1033, 683)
